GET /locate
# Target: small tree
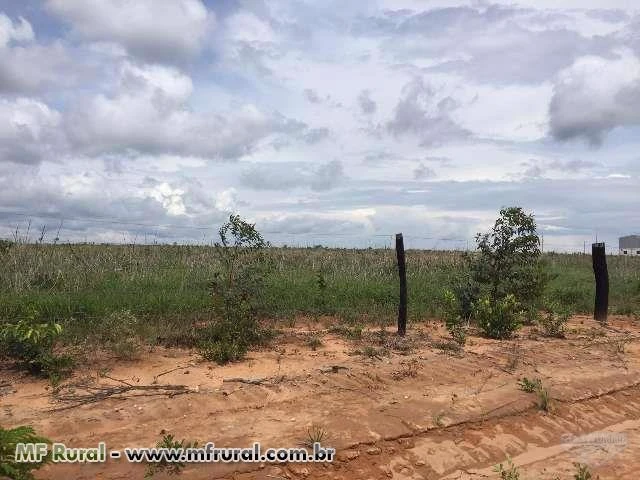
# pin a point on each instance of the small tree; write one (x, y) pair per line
(508, 260)
(237, 290)
(505, 279)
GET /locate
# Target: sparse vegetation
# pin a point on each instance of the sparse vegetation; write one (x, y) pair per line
(530, 386)
(553, 319)
(171, 468)
(216, 298)
(315, 434)
(453, 311)
(583, 472)
(508, 472)
(542, 394)
(408, 369)
(314, 342)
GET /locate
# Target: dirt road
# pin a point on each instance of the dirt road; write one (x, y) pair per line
(425, 413)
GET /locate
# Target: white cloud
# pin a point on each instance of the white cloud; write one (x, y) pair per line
(170, 198)
(155, 30)
(19, 31)
(26, 65)
(149, 113)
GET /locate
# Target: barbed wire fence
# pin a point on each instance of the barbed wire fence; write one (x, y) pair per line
(52, 228)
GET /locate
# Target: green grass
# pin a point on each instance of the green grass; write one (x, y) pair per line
(167, 285)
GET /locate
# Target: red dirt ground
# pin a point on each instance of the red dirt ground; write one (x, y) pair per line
(426, 413)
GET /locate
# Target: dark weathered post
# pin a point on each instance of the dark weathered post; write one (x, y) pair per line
(602, 281)
(402, 271)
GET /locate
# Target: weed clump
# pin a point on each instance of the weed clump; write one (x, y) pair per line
(508, 472)
(542, 394)
(171, 468)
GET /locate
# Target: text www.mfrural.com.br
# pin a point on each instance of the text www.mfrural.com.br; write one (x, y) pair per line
(209, 453)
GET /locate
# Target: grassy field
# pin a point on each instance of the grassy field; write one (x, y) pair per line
(167, 285)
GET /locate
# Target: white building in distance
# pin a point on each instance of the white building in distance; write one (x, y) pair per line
(629, 245)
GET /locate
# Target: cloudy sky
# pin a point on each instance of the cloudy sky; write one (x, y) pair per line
(327, 122)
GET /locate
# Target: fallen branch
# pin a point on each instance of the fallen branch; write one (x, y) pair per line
(249, 381)
(332, 369)
(97, 393)
(155, 378)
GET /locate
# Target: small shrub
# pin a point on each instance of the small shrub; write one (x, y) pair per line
(453, 320)
(583, 472)
(315, 434)
(31, 343)
(509, 473)
(314, 342)
(8, 466)
(222, 352)
(438, 419)
(119, 333)
(505, 279)
(498, 318)
(371, 352)
(544, 400)
(408, 369)
(171, 468)
(554, 319)
(321, 292)
(542, 394)
(351, 332)
(530, 386)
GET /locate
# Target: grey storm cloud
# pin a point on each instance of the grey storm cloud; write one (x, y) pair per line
(285, 176)
(29, 131)
(586, 104)
(420, 112)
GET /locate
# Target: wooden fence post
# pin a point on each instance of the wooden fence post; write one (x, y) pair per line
(599, 258)
(402, 271)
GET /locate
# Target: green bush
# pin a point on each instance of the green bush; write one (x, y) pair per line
(31, 344)
(9, 468)
(498, 318)
(222, 352)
